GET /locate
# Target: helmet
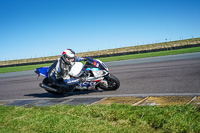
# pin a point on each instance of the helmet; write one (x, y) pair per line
(68, 54)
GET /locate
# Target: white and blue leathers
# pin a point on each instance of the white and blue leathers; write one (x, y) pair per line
(59, 71)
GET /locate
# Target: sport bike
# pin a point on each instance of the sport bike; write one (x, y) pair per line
(96, 73)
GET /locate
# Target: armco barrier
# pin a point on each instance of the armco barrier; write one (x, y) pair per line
(25, 64)
(109, 55)
(147, 51)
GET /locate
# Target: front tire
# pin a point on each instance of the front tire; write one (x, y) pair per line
(113, 83)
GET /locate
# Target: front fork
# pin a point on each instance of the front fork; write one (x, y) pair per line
(104, 82)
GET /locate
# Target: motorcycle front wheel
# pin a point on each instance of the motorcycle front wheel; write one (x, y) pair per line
(113, 83)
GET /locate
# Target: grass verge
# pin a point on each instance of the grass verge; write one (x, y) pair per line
(22, 68)
(151, 54)
(100, 118)
(107, 59)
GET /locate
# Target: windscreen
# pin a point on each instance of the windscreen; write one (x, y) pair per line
(97, 64)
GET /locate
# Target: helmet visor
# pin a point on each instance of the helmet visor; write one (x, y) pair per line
(72, 51)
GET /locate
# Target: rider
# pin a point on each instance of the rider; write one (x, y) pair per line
(58, 73)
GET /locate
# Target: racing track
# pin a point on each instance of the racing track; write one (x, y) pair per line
(165, 75)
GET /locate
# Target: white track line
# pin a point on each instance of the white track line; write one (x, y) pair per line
(119, 95)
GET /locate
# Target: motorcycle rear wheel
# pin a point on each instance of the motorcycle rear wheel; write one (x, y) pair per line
(46, 82)
(113, 83)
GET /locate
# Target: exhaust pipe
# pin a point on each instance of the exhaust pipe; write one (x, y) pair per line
(48, 88)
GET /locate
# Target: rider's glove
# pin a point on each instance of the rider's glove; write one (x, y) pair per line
(84, 59)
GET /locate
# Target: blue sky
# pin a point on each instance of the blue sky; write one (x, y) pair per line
(38, 28)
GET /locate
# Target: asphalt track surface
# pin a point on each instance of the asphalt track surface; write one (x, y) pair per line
(156, 76)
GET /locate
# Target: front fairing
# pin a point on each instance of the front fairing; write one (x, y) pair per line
(96, 72)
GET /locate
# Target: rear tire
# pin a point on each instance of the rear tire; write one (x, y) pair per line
(46, 82)
(113, 83)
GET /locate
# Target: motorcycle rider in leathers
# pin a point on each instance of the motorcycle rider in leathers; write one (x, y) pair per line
(58, 73)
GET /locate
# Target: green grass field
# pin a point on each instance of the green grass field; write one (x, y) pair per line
(107, 59)
(100, 118)
(151, 54)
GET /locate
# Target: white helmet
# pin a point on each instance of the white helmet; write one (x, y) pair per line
(68, 54)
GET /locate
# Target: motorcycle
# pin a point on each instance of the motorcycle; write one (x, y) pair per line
(96, 73)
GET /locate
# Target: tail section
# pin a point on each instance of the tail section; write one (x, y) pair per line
(42, 71)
